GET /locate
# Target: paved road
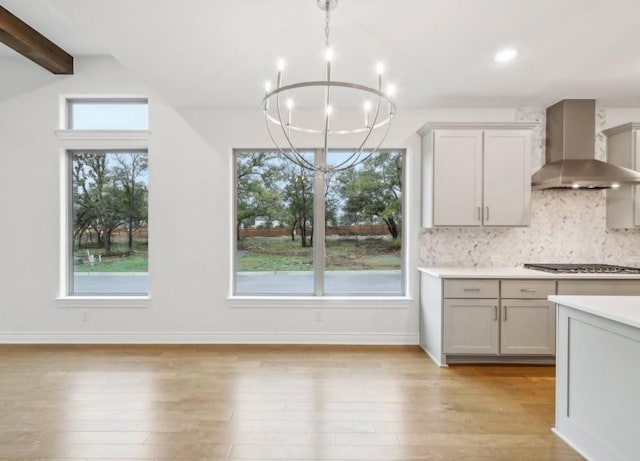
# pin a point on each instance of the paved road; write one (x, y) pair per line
(110, 283)
(342, 282)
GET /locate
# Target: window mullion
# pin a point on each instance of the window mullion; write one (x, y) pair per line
(318, 223)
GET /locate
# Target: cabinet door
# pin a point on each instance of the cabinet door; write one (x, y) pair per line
(457, 182)
(471, 326)
(528, 327)
(636, 189)
(507, 177)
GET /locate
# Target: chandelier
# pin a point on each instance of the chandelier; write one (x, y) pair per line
(378, 110)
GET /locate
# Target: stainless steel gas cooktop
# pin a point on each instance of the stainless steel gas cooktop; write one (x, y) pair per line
(583, 268)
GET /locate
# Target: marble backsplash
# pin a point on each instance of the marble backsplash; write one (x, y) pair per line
(567, 226)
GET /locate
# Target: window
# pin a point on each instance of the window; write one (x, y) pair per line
(107, 114)
(109, 233)
(291, 239)
(105, 197)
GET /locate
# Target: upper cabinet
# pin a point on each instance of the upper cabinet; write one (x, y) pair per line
(476, 174)
(623, 149)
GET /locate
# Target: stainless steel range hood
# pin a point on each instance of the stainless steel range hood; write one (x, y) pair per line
(570, 150)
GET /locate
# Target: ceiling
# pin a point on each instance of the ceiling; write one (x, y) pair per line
(214, 53)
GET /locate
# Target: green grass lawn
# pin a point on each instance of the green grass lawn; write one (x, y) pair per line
(118, 260)
(343, 253)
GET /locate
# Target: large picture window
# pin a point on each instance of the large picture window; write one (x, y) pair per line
(300, 232)
(109, 215)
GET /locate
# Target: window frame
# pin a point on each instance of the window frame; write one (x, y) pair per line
(70, 140)
(319, 259)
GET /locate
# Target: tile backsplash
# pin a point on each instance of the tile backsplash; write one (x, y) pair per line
(567, 226)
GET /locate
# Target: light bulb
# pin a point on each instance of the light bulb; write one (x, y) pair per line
(328, 54)
(505, 55)
(329, 110)
(367, 106)
(615, 185)
(267, 86)
(281, 65)
(575, 185)
(391, 90)
(289, 103)
(379, 68)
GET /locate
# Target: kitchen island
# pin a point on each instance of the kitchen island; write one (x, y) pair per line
(598, 375)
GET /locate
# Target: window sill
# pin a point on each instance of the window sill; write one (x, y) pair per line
(103, 301)
(330, 302)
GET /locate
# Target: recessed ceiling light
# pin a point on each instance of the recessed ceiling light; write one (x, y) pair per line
(505, 55)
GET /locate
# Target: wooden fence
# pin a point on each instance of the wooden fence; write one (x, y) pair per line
(378, 229)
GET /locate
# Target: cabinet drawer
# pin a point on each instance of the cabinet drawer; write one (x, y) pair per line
(599, 287)
(471, 288)
(527, 289)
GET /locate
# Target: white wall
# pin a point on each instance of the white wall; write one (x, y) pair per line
(190, 184)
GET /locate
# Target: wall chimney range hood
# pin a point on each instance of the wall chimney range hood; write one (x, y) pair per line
(570, 151)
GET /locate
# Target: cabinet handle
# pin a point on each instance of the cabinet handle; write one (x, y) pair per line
(471, 289)
(495, 312)
(505, 314)
(527, 290)
(486, 218)
(478, 211)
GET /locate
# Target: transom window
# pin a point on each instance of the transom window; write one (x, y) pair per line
(300, 232)
(107, 114)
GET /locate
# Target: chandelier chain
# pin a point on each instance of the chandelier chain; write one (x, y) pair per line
(326, 25)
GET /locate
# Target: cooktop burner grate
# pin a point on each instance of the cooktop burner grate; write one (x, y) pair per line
(584, 268)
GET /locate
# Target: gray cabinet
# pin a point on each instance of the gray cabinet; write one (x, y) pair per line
(527, 319)
(471, 324)
(476, 174)
(518, 322)
(499, 319)
(599, 287)
(623, 149)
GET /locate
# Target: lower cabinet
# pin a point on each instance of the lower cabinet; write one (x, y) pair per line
(471, 326)
(499, 319)
(527, 327)
(500, 326)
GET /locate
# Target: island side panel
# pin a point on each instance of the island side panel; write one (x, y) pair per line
(598, 377)
(431, 317)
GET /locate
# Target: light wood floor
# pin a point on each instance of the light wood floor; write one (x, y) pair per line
(269, 402)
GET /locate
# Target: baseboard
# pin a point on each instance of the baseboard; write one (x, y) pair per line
(432, 357)
(501, 359)
(73, 337)
(570, 443)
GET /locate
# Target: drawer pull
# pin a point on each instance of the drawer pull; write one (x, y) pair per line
(505, 314)
(495, 312)
(527, 290)
(472, 289)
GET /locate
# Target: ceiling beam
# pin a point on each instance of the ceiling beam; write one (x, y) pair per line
(30, 43)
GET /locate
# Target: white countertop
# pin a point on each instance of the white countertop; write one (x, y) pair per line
(623, 309)
(512, 273)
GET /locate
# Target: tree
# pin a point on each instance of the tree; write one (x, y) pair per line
(129, 172)
(297, 192)
(373, 190)
(258, 192)
(109, 191)
(96, 197)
